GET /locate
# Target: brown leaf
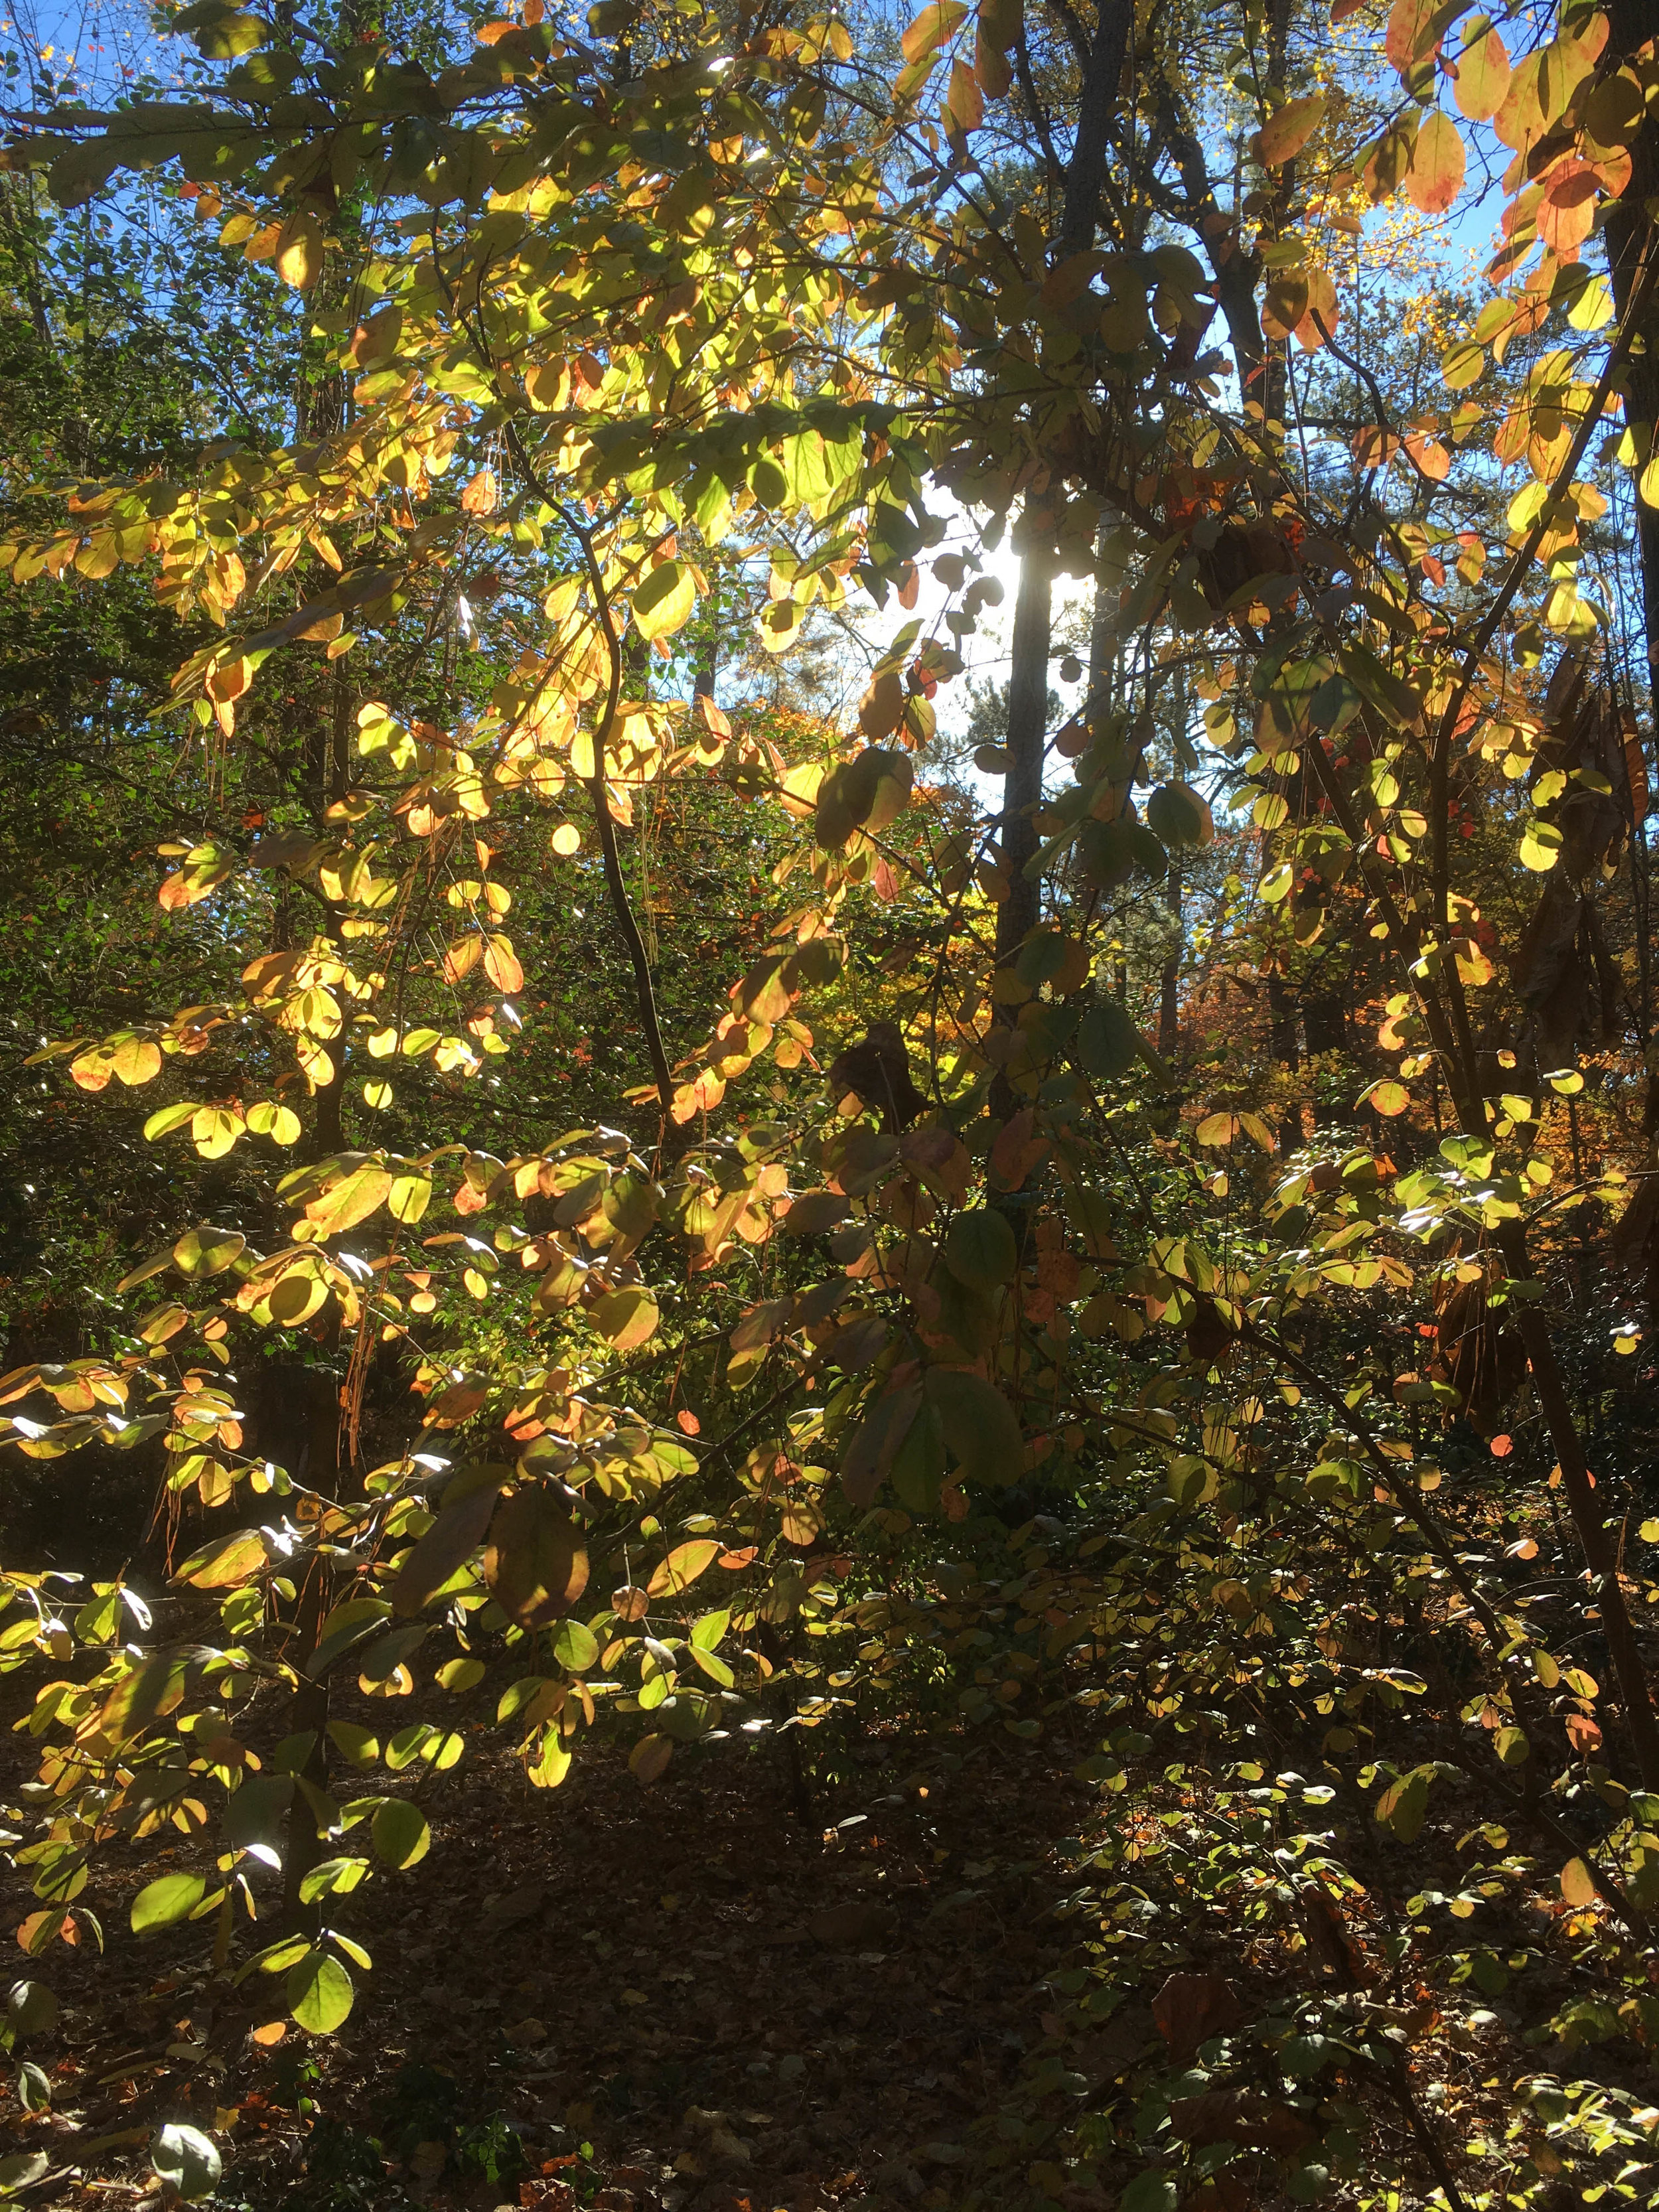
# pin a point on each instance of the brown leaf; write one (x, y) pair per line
(1017, 1151)
(1190, 2008)
(1238, 2115)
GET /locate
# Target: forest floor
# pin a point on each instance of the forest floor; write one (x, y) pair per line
(680, 1999)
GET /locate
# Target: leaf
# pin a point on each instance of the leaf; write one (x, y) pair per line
(186, 2161)
(214, 1130)
(876, 1444)
(575, 1648)
(446, 1545)
(664, 601)
(299, 257)
(1404, 1805)
(1435, 176)
(626, 1318)
(136, 1060)
(1577, 1884)
(410, 1195)
(1179, 816)
(1483, 74)
(208, 1251)
(318, 1993)
(399, 1834)
(1461, 364)
(1217, 1130)
(501, 963)
(225, 1563)
(1190, 2008)
(162, 1904)
(535, 1562)
(1411, 34)
(1288, 130)
(964, 102)
(682, 1567)
(31, 2008)
(1151, 2191)
(979, 1249)
(814, 1213)
(932, 28)
(479, 494)
(1541, 847)
(351, 1200)
(648, 1760)
(1108, 1042)
(1394, 699)
(980, 1426)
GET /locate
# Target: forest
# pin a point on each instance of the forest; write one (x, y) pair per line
(830, 1140)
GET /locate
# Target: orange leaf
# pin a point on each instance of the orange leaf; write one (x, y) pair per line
(479, 496)
(501, 964)
(1566, 213)
(1431, 456)
(1287, 131)
(964, 103)
(1410, 36)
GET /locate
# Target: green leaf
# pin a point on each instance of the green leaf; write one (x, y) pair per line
(226, 1563)
(451, 1540)
(980, 1426)
(575, 1647)
(979, 1249)
(1151, 2191)
(208, 1251)
(1178, 815)
(168, 1118)
(333, 1878)
(318, 1993)
(162, 1903)
(1107, 1041)
(1392, 698)
(31, 2008)
(708, 1632)
(187, 2160)
(535, 1563)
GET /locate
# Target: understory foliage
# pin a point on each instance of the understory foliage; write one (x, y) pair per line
(607, 1164)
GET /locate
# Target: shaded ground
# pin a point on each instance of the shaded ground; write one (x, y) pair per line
(682, 1995)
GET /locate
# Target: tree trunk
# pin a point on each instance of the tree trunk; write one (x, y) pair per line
(1168, 1004)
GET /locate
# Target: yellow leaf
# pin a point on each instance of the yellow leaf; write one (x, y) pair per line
(1577, 1884)
(1436, 175)
(300, 251)
(932, 27)
(664, 601)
